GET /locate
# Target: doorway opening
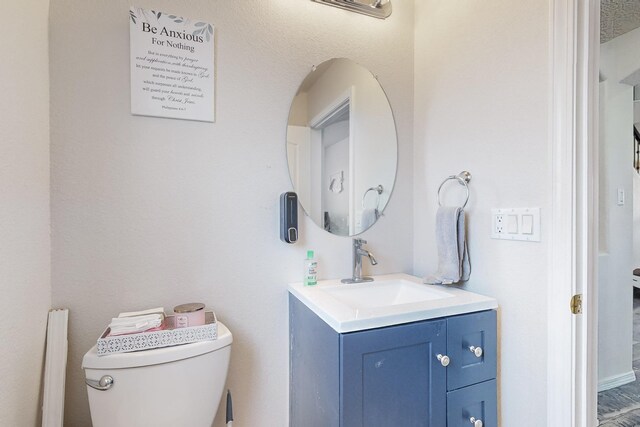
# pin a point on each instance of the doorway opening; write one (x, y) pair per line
(618, 379)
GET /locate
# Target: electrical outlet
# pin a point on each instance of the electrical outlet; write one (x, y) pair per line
(498, 226)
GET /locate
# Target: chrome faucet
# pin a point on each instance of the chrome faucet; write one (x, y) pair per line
(358, 253)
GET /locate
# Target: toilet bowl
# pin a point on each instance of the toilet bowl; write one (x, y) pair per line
(171, 386)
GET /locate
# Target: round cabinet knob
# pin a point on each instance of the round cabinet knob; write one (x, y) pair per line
(477, 351)
(444, 360)
(476, 423)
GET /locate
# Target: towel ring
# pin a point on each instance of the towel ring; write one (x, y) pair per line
(463, 178)
(378, 189)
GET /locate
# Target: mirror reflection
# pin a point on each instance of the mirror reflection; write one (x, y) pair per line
(342, 147)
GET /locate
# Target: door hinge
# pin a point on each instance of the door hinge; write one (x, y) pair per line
(576, 304)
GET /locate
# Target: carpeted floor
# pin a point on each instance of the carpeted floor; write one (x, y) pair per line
(620, 406)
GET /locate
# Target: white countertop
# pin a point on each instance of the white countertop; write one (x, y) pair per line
(349, 315)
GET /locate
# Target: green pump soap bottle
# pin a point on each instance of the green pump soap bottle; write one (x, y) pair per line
(310, 270)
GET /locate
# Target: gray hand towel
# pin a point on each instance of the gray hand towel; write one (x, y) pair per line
(369, 217)
(453, 259)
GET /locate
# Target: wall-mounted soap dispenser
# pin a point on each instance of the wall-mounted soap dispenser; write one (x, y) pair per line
(289, 217)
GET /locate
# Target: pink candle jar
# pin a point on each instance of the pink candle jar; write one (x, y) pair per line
(191, 314)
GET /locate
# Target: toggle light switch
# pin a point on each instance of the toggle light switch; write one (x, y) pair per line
(620, 196)
(527, 224)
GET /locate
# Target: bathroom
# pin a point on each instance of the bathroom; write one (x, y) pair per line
(146, 212)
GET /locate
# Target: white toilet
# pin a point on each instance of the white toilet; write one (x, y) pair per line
(171, 386)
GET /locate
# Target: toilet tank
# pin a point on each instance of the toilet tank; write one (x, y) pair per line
(172, 386)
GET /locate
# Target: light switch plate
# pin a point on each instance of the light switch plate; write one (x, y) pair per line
(620, 196)
(508, 224)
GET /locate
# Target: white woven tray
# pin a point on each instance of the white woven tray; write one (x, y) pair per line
(165, 338)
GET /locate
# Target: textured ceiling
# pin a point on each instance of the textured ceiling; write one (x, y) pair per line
(618, 17)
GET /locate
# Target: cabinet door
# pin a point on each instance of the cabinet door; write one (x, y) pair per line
(471, 330)
(392, 377)
(477, 401)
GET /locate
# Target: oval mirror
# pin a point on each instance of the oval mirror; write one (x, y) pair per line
(342, 148)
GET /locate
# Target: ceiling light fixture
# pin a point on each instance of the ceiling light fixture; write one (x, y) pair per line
(376, 8)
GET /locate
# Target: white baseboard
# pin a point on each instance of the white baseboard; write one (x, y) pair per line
(616, 381)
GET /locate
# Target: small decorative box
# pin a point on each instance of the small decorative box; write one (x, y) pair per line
(167, 337)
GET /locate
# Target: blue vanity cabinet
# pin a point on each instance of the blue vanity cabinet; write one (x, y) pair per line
(471, 384)
(314, 369)
(392, 376)
(467, 406)
(465, 334)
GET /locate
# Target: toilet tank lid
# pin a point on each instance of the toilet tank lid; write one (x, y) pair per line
(91, 360)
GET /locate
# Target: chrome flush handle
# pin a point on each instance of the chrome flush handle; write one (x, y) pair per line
(103, 384)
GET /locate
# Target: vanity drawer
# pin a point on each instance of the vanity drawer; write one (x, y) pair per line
(466, 334)
(477, 401)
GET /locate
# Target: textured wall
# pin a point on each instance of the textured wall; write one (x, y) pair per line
(481, 104)
(24, 208)
(149, 211)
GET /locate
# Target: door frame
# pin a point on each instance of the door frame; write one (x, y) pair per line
(572, 339)
(335, 107)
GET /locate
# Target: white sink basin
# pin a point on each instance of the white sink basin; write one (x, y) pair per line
(388, 300)
(384, 293)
